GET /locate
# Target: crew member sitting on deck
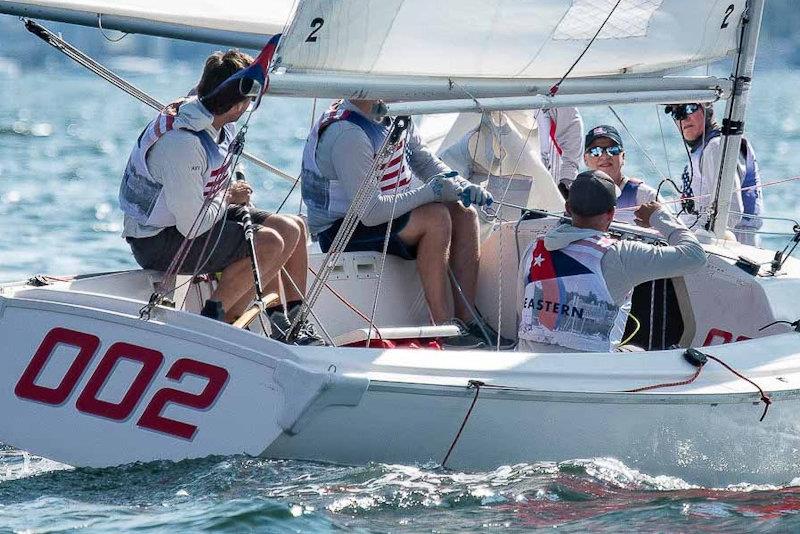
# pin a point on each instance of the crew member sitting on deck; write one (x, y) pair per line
(703, 137)
(576, 282)
(175, 188)
(604, 152)
(414, 192)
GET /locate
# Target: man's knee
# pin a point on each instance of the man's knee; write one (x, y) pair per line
(435, 218)
(269, 240)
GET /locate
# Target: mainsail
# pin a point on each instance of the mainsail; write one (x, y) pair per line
(245, 23)
(529, 39)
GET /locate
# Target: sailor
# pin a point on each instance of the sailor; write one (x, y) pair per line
(175, 190)
(702, 136)
(427, 209)
(605, 152)
(561, 143)
(576, 283)
(502, 152)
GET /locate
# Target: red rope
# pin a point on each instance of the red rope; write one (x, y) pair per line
(667, 384)
(764, 397)
(477, 385)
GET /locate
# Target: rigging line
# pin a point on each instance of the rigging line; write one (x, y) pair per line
(116, 80)
(638, 144)
(347, 303)
(557, 86)
(663, 142)
(103, 32)
(314, 315)
(346, 229)
(385, 249)
(471, 384)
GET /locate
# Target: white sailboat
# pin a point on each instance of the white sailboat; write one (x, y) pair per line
(89, 380)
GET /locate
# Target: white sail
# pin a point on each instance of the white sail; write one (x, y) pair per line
(246, 23)
(530, 39)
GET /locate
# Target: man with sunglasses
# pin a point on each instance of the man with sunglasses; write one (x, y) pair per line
(176, 190)
(702, 136)
(605, 152)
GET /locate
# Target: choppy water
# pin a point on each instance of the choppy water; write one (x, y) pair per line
(64, 139)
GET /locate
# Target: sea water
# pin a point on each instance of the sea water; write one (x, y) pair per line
(64, 141)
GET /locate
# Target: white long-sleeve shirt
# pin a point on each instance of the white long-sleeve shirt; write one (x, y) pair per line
(178, 160)
(569, 137)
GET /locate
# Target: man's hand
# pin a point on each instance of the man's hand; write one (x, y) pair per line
(643, 214)
(475, 194)
(445, 187)
(239, 193)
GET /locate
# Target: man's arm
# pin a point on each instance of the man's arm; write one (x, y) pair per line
(569, 134)
(179, 161)
(422, 161)
(631, 263)
(351, 159)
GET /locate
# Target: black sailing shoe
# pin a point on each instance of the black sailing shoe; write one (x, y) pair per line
(481, 330)
(306, 334)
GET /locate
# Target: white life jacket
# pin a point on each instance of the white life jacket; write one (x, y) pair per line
(324, 196)
(566, 300)
(140, 194)
(694, 184)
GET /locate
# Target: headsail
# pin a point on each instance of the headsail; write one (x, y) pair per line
(244, 23)
(507, 38)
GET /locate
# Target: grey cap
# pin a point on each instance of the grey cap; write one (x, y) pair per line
(592, 193)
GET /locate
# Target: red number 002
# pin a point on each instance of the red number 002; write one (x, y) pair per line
(151, 361)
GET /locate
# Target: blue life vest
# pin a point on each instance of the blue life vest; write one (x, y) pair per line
(326, 200)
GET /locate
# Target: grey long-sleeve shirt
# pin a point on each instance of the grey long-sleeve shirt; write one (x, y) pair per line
(629, 263)
(345, 153)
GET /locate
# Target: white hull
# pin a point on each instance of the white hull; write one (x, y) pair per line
(355, 406)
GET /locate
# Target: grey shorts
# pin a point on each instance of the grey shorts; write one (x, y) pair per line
(156, 252)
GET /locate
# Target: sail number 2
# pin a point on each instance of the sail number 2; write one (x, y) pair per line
(150, 361)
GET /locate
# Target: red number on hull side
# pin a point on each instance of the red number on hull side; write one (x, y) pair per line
(88, 401)
(27, 388)
(152, 418)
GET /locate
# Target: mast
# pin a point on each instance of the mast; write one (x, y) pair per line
(733, 124)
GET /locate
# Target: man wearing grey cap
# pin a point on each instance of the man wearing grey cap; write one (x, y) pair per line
(576, 282)
(605, 152)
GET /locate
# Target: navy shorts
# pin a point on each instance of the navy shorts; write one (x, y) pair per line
(371, 238)
(156, 252)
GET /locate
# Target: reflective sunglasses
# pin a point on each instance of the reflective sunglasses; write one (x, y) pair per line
(679, 112)
(597, 151)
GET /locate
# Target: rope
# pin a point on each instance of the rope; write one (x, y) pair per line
(346, 229)
(557, 86)
(700, 364)
(667, 384)
(116, 80)
(764, 397)
(471, 384)
(385, 248)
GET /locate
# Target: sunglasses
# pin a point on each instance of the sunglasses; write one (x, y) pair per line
(679, 112)
(597, 151)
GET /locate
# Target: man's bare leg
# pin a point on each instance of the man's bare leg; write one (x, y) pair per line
(465, 252)
(429, 229)
(292, 230)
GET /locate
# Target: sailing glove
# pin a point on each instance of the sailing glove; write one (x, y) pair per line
(445, 188)
(475, 194)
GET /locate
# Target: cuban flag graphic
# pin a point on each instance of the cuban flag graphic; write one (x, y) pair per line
(549, 269)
